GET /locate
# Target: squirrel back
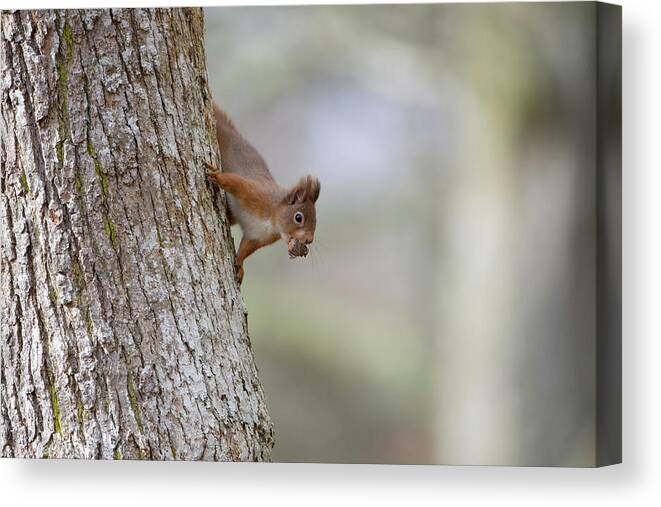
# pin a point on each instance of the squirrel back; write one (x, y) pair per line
(237, 154)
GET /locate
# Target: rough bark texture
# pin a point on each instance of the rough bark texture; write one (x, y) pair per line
(123, 333)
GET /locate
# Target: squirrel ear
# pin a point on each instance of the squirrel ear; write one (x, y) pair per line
(313, 188)
(296, 194)
(307, 188)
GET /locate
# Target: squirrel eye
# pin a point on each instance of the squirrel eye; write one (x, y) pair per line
(298, 217)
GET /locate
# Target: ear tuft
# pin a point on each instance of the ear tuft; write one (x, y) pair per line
(306, 188)
(313, 188)
(297, 193)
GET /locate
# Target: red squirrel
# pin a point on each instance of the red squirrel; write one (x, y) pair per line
(264, 210)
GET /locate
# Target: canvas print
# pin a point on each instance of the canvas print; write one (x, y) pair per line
(335, 234)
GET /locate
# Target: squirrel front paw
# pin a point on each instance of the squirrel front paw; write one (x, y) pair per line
(238, 274)
(213, 174)
(210, 169)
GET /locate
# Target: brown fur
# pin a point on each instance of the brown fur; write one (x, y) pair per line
(238, 155)
(252, 194)
(265, 211)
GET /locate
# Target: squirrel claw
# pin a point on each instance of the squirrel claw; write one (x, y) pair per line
(211, 170)
(239, 274)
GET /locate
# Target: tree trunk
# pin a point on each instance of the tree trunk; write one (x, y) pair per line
(123, 332)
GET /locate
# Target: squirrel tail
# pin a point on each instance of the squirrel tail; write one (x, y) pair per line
(222, 119)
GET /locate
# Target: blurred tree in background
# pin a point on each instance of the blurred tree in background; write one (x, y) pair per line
(445, 314)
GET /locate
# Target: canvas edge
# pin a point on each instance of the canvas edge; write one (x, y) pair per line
(609, 235)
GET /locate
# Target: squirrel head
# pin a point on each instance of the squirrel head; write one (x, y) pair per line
(296, 217)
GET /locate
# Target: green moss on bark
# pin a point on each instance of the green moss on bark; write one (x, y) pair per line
(78, 185)
(103, 182)
(109, 228)
(24, 183)
(55, 404)
(63, 61)
(130, 387)
(68, 40)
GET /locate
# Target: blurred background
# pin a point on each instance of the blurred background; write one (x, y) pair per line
(446, 313)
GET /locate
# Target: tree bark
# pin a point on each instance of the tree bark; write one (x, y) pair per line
(123, 332)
